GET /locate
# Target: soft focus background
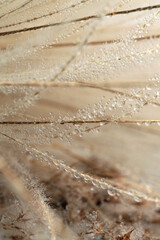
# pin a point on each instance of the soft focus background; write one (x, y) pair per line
(58, 69)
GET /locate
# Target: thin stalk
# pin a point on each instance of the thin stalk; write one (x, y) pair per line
(80, 122)
(20, 187)
(90, 178)
(79, 20)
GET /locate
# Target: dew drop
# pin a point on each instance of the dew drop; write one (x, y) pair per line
(146, 124)
(111, 192)
(137, 199)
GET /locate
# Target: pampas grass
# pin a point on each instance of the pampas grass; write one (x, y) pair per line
(79, 120)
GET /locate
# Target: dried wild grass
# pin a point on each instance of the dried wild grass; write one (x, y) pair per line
(79, 120)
